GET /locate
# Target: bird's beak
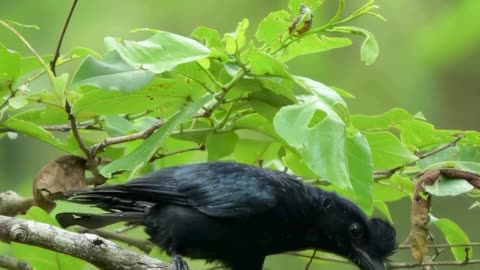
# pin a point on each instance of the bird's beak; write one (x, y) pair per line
(366, 262)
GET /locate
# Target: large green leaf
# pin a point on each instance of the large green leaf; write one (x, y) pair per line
(454, 235)
(234, 41)
(273, 26)
(9, 63)
(388, 152)
(369, 49)
(166, 95)
(110, 73)
(220, 145)
(393, 118)
(161, 52)
(136, 159)
(313, 44)
(38, 132)
(317, 130)
(449, 187)
(318, 134)
(211, 36)
(264, 64)
(360, 170)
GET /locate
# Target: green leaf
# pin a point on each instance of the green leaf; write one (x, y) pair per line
(211, 37)
(279, 85)
(360, 170)
(383, 208)
(111, 73)
(369, 49)
(449, 187)
(60, 88)
(220, 145)
(18, 101)
(236, 40)
(454, 235)
(118, 126)
(387, 151)
(9, 63)
(294, 162)
(38, 132)
(267, 103)
(391, 119)
(167, 95)
(273, 26)
(264, 64)
(323, 92)
(44, 116)
(388, 192)
(161, 52)
(312, 44)
(252, 149)
(135, 160)
(78, 52)
(421, 134)
(322, 144)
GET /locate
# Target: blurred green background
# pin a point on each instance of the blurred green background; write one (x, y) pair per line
(429, 61)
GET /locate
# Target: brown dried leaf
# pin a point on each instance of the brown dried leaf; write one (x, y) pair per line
(60, 175)
(419, 216)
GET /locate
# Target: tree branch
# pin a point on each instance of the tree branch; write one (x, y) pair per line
(143, 245)
(12, 204)
(100, 252)
(14, 264)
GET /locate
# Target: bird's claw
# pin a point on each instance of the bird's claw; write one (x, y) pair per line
(179, 263)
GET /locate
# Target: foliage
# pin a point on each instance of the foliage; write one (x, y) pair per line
(171, 99)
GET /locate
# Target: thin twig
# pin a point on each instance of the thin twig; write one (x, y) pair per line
(391, 265)
(159, 156)
(96, 148)
(60, 40)
(382, 174)
(89, 124)
(398, 265)
(473, 244)
(143, 245)
(12, 94)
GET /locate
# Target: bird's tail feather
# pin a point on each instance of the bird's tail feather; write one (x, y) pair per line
(94, 221)
(120, 206)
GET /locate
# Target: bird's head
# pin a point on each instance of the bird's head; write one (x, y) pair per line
(366, 242)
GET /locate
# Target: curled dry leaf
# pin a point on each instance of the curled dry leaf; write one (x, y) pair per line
(420, 210)
(419, 215)
(62, 174)
(419, 218)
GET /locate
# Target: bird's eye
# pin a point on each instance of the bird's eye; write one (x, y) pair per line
(356, 230)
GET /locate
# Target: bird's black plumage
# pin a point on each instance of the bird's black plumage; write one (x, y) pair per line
(238, 214)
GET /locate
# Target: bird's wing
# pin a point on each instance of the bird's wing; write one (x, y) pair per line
(218, 189)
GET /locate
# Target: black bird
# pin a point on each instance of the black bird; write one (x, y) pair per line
(237, 214)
